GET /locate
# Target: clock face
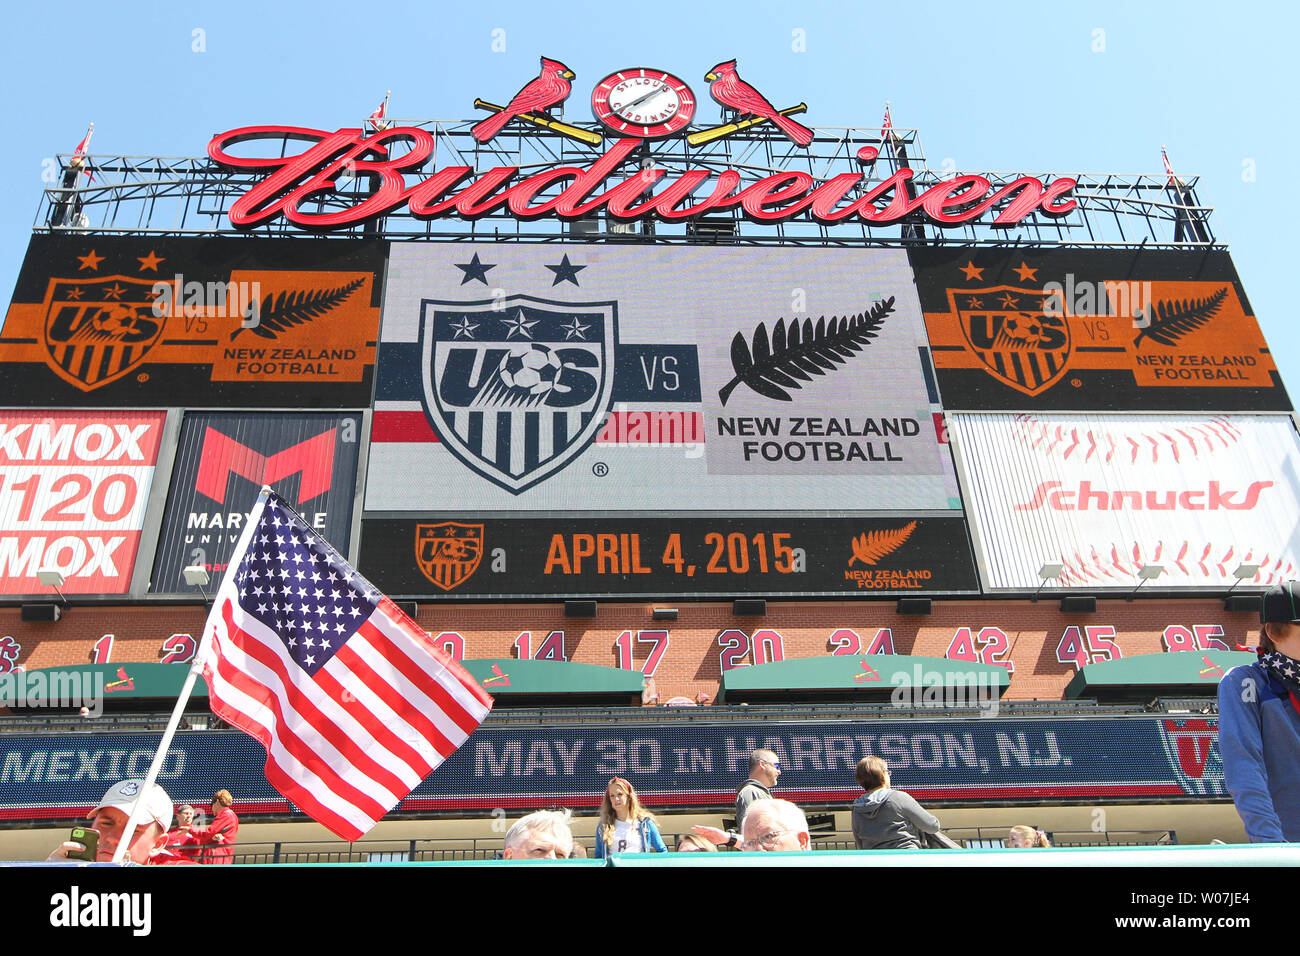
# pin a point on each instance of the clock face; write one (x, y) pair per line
(645, 103)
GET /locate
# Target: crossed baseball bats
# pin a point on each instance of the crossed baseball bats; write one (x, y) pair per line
(594, 139)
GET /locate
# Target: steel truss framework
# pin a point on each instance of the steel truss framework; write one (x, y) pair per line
(174, 196)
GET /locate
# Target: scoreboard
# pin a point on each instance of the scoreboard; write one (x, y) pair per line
(629, 420)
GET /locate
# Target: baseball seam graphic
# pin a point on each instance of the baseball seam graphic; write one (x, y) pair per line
(1118, 564)
(1216, 434)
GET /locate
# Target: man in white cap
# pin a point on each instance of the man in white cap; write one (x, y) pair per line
(148, 843)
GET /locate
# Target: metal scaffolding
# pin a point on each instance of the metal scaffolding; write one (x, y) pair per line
(176, 196)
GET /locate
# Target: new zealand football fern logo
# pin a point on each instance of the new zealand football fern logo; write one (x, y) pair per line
(1170, 321)
(870, 546)
(277, 313)
(774, 367)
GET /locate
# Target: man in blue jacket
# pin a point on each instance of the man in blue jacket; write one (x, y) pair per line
(1259, 724)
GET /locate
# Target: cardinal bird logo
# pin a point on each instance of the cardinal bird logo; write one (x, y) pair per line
(1211, 670)
(734, 93)
(124, 682)
(868, 673)
(550, 87)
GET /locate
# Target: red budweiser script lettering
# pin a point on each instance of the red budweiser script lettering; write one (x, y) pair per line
(1087, 498)
(299, 180)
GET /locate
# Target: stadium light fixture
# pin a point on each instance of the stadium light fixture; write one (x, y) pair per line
(52, 578)
(1243, 572)
(1048, 572)
(196, 576)
(664, 614)
(1148, 572)
(1242, 602)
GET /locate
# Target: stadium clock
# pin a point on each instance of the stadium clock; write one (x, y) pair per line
(645, 103)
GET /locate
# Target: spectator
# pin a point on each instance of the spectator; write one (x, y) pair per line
(885, 819)
(764, 769)
(1022, 837)
(694, 843)
(1259, 724)
(180, 840)
(542, 835)
(775, 825)
(625, 826)
(148, 842)
(218, 840)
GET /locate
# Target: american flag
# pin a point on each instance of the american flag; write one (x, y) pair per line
(377, 120)
(79, 154)
(1169, 169)
(351, 699)
(887, 127)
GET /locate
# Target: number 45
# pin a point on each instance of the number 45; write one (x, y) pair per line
(1089, 647)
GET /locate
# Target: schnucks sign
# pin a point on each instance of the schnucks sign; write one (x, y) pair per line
(1107, 495)
(634, 106)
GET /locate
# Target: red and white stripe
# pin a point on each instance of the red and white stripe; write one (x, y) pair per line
(349, 744)
(377, 119)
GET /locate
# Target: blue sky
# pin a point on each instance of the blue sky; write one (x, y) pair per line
(991, 86)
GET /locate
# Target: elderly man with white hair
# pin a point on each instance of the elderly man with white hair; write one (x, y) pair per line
(772, 825)
(543, 835)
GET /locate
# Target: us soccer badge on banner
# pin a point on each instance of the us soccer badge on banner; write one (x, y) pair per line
(630, 378)
(213, 322)
(1096, 330)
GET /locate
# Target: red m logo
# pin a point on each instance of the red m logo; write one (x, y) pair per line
(221, 455)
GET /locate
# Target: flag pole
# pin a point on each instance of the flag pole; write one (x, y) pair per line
(196, 668)
(152, 776)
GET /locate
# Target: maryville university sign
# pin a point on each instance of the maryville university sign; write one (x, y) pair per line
(631, 106)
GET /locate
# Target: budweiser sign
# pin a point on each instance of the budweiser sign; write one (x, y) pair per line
(298, 180)
(632, 107)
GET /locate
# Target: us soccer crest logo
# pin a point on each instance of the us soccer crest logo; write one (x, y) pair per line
(448, 554)
(98, 330)
(1008, 331)
(517, 387)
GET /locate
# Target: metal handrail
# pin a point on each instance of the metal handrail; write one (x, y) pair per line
(481, 848)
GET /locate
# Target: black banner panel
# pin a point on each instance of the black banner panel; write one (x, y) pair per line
(1093, 330)
(241, 323)
(628, 557)
(222, 460)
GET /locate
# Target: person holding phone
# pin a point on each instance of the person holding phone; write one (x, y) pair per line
(100, 840)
